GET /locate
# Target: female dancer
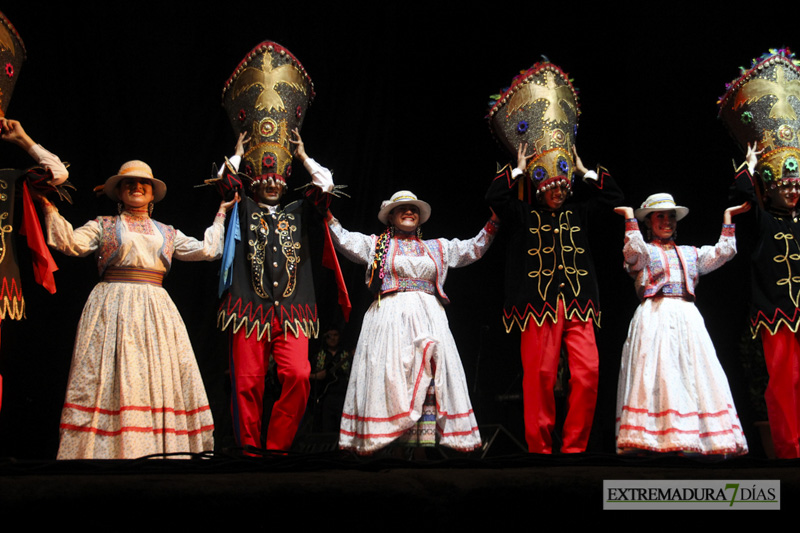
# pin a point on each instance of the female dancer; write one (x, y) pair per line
(406, 352)
(673, 395)
(134, 386)
(407, 382)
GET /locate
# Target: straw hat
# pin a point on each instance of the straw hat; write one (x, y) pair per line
(660, 202)
(403, 198)
(135, 169)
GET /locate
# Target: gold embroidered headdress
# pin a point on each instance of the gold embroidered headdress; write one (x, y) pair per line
(540, 108)
(12, 54)
(267, 97)
(763, 105)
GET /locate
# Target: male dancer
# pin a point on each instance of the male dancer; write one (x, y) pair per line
(763, 114)
(269, 307)
(50, 174)
(551, 290)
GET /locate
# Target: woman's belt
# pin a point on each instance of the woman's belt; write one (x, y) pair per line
(675, 290)
(133, 275)
(412, 284)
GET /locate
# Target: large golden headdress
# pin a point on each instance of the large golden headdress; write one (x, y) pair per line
(763, 105)
(540, 108)
(267, 97)
(12, 54)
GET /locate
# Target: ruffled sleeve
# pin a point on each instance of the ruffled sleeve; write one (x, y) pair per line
(463, 252)
(50, 162)
(72, 242)
(710, 258)
(357, 247)
(210, 248)
(634, 250)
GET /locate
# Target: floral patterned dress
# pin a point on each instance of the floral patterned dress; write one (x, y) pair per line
(406, 343)
(134, 386)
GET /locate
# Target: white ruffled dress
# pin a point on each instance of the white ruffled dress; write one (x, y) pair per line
(405, 342)
(672, 394)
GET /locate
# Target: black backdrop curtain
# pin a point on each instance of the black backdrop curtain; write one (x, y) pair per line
(402, 92)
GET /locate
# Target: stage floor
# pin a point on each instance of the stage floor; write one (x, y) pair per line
(329, 488)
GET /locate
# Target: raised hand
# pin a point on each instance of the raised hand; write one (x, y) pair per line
(300, 151)
(13, 132)
(735, 210)
(751, 157)
(582, 170)
(625, 211)
(523, 156)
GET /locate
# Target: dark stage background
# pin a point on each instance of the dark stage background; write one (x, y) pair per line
(402, 91)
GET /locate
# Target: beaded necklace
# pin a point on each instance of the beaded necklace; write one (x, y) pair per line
(379, 260)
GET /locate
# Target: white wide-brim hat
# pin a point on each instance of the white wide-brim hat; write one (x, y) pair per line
(403, 198)
(135, 169)
(660, 202)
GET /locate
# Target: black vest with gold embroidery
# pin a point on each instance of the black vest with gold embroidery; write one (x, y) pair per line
(548, 258)
(12, 303)
(272, 273)
(773, 241)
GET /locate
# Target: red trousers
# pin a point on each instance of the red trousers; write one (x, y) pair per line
(782, 355)
(249, 360)
(541, 349)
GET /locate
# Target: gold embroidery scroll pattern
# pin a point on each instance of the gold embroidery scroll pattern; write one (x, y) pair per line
(12, 308)
(283, 133)
(768, 141)
(258, 253)
(290, 248)
(791, 279)
(570, 251)
(544, 276)
(4, 228)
